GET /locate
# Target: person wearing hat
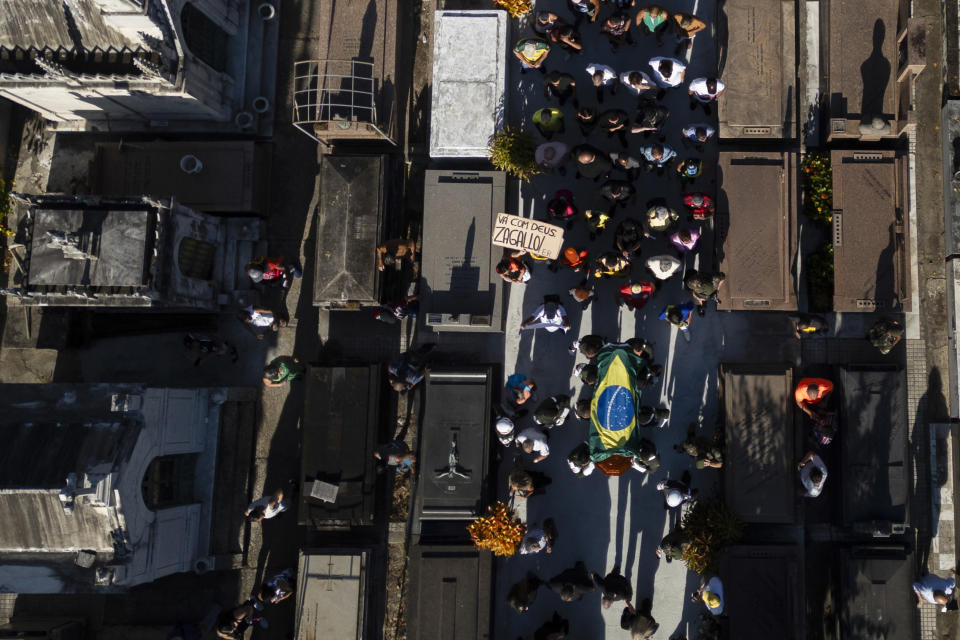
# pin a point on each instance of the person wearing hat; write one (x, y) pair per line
(711, 593)
(614, 586)
(506, 431)
(574, 257)
(675, 492)
(579, 461)
(532, 53)
(552, 412)
(635, 294)
(550, 316)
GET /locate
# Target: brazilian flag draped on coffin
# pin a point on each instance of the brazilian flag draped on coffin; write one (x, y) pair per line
(613, 410)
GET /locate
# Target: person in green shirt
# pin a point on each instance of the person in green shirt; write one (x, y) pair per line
(532, 52)
(653, 20)
(282, 370)
(548, 121)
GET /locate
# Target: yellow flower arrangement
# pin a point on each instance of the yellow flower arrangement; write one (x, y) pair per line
(498, 531)
(516, 8)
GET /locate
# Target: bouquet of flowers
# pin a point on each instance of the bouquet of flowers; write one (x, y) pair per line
(516, 8)
(498, 531)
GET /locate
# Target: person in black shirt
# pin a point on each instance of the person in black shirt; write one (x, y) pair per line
(561, 86)
(613, 587)
(627, 238)
(591, 162)
(587, 119)
(650, 117)
(614, 121)
(617, 192)
(617, 29)
(523, 593)
(572, 583)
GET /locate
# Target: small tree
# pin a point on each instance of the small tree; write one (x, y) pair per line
(711, 527)
(498, 531)
(514, 150)
(818, 188)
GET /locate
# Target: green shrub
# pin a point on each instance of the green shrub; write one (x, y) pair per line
(514, 150)
(817, 188)
(820, 279)
(711, 527)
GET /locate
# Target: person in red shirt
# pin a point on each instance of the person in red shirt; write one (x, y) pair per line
(700, 206)
(635, 294)
(271, 271)
(811, 394)
(562, 208)
(573, 257)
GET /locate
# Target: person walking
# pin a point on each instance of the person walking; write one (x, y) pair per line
(653, 20)
(583, 293)
(638, 83)
(697, 134)
(668, 73)
(560, 86)
(258, 320)
(613, 587)
(813, 474)
(523, 593)
(657, 156)
(690, 169)
(640, 623)
(588, 345)
(663, 267)
(685, 27)
(649, 118)
(584, 8)
(673, 544)
(548, 121)
(617, 29)
(626, 163)
(532, 53)
(592, 163)
(617, 192)
(659, 219)
(603, 77)
(550, 157)
(614, 123)
(267, 507)
(271, 271)
(679, 316)
(586, 119)
(811, 396)
(533, 440)
(628, 237)
(676, 492)
(703, 286)
(397, 454)
(704, 91)
(611, 265)
(685, 240)
(553, 411)
(635, 294)
(807, 325)
(579, 461)
(281, 370)
(550, 316)
(573, 583)
(561, 208)
(699, 206)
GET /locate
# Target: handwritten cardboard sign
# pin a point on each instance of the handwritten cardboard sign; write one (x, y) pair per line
(536, 237)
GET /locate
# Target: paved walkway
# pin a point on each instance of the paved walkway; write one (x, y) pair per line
(610, 521)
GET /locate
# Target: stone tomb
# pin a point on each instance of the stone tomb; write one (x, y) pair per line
(759, 71)
(870, 242)
(756, 229)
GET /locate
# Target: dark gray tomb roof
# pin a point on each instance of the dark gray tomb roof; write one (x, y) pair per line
(877, 602)
(458, 266)
(454, 439)
(449, 593)
(339, 438)
(869, 232)
(873, 440)
(759, 473)
(763, 592)
(757, 229)
(349, 228)
(89, 247)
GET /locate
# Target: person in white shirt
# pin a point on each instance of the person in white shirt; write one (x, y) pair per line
(934, 589)
(266, 507)
(663, 266)
(533, 440)
(637, 81)
(602, 76)
(550, 316)
(703, 91)
(813, 474)
(579, 461)
(667, 72)
(698, 133)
